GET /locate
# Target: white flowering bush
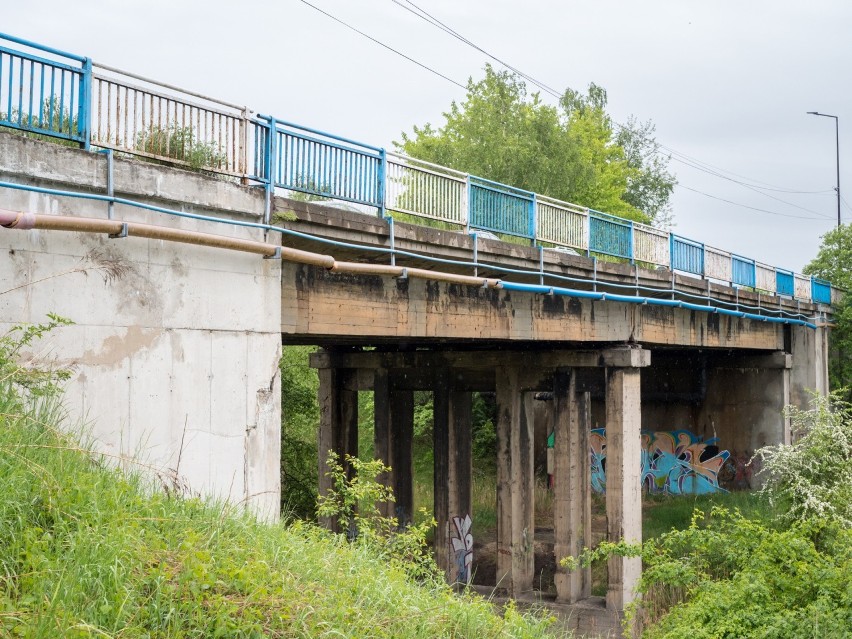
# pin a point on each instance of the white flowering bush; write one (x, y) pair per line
(812, 478)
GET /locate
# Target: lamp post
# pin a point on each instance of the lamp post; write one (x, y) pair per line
(837, 141)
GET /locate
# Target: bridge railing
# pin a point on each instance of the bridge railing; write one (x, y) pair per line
(44, 91)
(140, 116)
(309, 161)
(426, 190)
(561, 223)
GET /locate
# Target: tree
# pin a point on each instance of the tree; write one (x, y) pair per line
(570, 152)
(834, 263)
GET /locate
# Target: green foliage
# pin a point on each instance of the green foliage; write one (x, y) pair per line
(483, 432)
(33, 379)
(86, 551)
(354, 501)
(730, 576)
(53, 117)
(834, 263)
(569, 152)
(180, 143)
(299, 425)
(812, 478)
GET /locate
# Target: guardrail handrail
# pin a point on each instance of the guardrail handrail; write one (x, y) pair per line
(86, 107)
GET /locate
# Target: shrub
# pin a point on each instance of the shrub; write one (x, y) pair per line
(812, 478)
(354, 500)
(180, 143)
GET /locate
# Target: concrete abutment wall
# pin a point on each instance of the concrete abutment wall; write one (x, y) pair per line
(174, 349)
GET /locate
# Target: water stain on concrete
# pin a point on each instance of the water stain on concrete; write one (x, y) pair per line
(117, 348)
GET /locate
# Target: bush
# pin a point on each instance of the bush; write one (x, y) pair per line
(354, 501)
(180, 143)
(813, 477)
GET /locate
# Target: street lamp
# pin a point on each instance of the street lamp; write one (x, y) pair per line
(837, 139)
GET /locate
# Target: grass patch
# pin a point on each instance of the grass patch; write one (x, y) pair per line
(88, 551)
(662, 513)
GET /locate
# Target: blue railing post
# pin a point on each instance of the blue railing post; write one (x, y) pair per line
(532, 228)
(631, 243)
(382, 179)
(467, 204)
(84, 112)
(270, 165)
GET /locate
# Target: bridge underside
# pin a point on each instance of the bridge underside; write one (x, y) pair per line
(737, 396)
(710, 374)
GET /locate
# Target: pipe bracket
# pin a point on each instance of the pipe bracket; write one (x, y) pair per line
(122, 233)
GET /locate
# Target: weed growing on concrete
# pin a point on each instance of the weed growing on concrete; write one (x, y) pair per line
(180, 143)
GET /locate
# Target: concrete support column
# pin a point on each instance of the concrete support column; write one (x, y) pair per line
(809, 372)
(515, 485)
(623, 494)
(393, 433)
(572, 516)
(338, 431)
(452, 471)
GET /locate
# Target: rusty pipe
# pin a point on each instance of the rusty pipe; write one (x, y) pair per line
(114, 227)
(16, 220)
(453, 278)
(12, 219)
(367, 269)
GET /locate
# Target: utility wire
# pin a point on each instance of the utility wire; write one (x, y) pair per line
(676, 155)
(692, 162)
(382, 44)
(758, 191)
(427, 17)
(753, 208)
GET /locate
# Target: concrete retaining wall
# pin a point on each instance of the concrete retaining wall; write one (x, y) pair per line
(174, 347)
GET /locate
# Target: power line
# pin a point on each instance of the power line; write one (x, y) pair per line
(683, 158)
(427, 17)
(719, 173)
(753, 208)
(759, 192)
(692, 162)
(382, 44)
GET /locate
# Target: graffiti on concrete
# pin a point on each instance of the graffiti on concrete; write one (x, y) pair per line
(676, 462)
(461, 540)
(597, 445)
(680, 463)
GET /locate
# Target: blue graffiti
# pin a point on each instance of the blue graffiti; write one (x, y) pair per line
(674, 462)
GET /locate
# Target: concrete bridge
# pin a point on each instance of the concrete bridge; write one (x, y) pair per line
(179, 323)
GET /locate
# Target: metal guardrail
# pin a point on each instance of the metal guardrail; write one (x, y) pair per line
(44, 95)
(143, 117)
(45, 91)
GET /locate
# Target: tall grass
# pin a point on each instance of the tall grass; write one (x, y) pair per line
(87, 551)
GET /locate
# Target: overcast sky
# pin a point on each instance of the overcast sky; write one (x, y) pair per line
(727, 83)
